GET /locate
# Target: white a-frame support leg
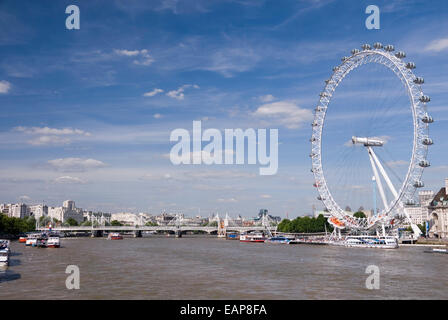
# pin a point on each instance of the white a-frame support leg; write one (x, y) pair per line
(384, 174)
(377, 178)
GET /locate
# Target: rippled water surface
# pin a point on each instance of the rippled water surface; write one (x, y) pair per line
(211, 268)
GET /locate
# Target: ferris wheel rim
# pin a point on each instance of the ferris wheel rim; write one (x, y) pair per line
(418, 108)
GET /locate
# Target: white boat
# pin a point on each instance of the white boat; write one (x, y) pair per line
(31, 240)
(53, 242)
(4, 252)
(4, 257)
(382, 242)
(252, 237)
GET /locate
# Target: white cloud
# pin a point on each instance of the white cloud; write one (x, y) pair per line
(75, 164)
(49, 140)
(51, 131)
(437, 45)
(266, 196)
(68, 180)
(266, 98)
(285, 113)
(157, 116)
(397, 163)
(179, 93)
(227, 200)
(5, 86)
(152, 93)
(129, 53)
(51, 136)
(24, 198)
(144, 58)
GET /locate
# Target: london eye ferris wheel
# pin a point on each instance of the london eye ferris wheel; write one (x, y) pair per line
(375, 129)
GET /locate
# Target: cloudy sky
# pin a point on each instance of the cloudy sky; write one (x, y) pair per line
(87, 114)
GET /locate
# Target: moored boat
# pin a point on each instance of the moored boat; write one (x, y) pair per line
(53, 242)
(381, 242)
(114, 236)
(252, 237)
(32, 239)
(4, 257)
(278, 239)
(22, 239)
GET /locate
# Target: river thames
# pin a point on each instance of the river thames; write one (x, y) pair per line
(210, 268)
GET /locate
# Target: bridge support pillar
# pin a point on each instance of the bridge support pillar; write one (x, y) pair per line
(178, 234)
(97, 233)
(137, 234)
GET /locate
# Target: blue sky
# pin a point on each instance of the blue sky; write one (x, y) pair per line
(76, 123)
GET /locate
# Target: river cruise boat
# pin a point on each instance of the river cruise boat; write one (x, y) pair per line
(382, 242)
(22, 238)
(278, 239)
(4, 245)
(114, 236)
(252, 237)
(32, 239)
(4, 257)
(53, 242)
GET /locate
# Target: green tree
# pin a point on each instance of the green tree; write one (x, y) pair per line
(72, 222)
(151, 224)
(115, 223)
(359, 214)
(213, 224)
(86, 223)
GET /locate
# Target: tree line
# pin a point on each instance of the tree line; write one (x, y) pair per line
(15, 226)
(305, 225)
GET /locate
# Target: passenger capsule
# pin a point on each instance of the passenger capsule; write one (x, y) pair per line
(315, 185)
(366, 46)
(424, 163)
(419, 184)
(425, 98)
(320, 198)
(427, 119)
(377, 45)
(400, 55)
(323, 94)
(335, 69)
(410, 65)
(389, 48)
(428, 141)
(312, 170)
(314, 124)
(355, 51)
(312, 155)
(419, 80)
(344, 59)
(319, 109)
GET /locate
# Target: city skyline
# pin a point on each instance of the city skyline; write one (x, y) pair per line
(87, 114)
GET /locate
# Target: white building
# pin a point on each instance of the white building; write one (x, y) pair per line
(38, 211)
(419, 213)
(18, 210)
(438, 211)
(68, 210)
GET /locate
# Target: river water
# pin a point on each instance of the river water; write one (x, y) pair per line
(209, 268)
